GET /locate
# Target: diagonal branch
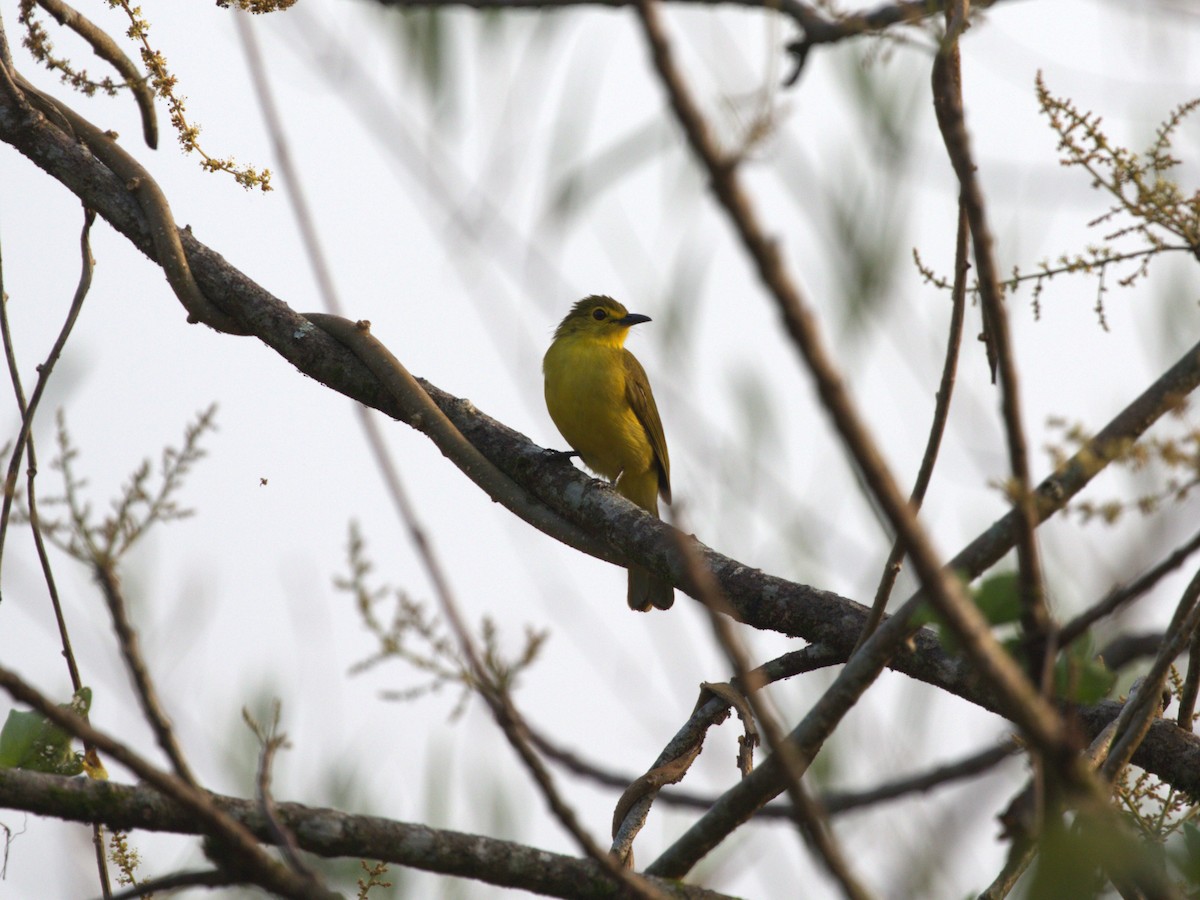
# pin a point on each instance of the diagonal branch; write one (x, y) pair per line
(139, 673)
(1119, 596)
(1142, 708)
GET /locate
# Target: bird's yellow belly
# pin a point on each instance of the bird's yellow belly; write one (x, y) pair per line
(585, 394)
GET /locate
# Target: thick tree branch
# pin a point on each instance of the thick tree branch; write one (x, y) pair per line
(326, 832)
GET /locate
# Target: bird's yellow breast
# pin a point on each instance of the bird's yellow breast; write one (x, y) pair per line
(587, 399)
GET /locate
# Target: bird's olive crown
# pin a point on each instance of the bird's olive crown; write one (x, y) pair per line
(590, 312)
(599, 309)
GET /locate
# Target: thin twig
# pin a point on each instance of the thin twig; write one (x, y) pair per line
(206, 878)
(131, 652)
(272, 741)
(1036, 623)
(833, 802)
(937, 428)
(1141, 710)
(1120, 596)
(1191, 685)
(28, 411)
(1018, 860)
(101, 854)
(841, 802)
(948, 105)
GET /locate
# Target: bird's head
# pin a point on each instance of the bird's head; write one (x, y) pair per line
(599, 318)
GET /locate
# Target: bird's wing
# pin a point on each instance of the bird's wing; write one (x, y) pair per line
(641, 398)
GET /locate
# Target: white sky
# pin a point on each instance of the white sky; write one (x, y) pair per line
(236, 604)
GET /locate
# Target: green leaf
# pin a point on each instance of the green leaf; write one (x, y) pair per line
(996, 597)
(17, 738)
(31, 741)
(1081, 677)
(999, 598)
(1187, 858)
(1191, 839)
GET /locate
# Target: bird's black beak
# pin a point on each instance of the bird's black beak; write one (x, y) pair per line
(633, 319)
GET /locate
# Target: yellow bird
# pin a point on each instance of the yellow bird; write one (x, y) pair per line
(600, 399)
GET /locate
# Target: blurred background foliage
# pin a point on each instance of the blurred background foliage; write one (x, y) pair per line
(535, 152)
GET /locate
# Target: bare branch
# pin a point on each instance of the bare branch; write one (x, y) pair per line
(147, 694)
(29, 410)
(948, 104)
(328, 833)
(271, 741)
(941, 413)
(1119, 597)
(230, 838)
(1143, 707)
(841, 802)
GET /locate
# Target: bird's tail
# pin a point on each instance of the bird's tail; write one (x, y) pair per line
(646, 590)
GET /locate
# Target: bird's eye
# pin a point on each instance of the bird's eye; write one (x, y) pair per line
(599, 314)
